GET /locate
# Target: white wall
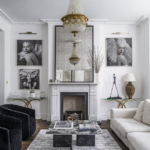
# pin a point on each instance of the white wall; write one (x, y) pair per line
(42, 33)
(6, 28)
(106, 74)
(145, 62)
(1, 67)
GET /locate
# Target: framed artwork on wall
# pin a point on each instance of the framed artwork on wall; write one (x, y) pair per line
(29, 78)
(119, 52)
(65, 70)
(29, 52)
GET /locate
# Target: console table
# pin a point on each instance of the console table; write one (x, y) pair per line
(122, 101)
(27, 101)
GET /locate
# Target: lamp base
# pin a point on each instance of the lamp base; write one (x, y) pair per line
(130, 90)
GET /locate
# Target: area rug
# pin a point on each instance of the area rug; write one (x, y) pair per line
(103, 141)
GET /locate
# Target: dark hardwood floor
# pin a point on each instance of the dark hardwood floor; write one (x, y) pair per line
(43, 125)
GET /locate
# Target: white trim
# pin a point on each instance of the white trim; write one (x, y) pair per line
(44, 21)
(104, 117)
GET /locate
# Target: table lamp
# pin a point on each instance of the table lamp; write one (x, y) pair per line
(130, 89)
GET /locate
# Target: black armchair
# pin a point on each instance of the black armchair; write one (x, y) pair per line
(27, 116)
(10, 133)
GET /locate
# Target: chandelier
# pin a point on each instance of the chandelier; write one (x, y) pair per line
(74, 59)
(75, 21)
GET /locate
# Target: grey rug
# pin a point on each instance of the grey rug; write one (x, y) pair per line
(103, 141)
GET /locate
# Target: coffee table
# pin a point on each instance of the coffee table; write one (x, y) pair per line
(63, 137)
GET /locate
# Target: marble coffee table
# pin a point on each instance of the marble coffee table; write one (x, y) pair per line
(63, 137)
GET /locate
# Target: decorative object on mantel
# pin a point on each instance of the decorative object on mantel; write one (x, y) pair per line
(75, 21)
(114, 84)
(28, 33)
(51, 80)
(32, 93)
(120, 33)
(130, 88)
(66, 71)
(119, 52)
(96, 61)
(74, 59)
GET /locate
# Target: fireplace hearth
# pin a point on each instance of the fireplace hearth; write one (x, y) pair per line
(73, 115)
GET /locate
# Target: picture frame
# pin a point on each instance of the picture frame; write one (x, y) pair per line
(29, 52)
(88, 41)
(29, 78)
(119, 51)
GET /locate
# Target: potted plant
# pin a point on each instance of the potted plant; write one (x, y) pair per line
(96, 60)
(32, 93)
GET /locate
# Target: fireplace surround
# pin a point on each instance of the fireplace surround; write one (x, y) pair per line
(54, 103)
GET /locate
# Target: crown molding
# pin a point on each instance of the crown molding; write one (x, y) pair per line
(142, 20)
(5, 17)
(122, 23)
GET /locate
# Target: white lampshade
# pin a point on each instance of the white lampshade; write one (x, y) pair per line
(129, 77)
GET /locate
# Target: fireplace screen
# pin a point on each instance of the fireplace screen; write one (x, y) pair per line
(73, 115)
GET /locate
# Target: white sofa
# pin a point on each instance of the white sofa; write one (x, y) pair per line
(134, 134)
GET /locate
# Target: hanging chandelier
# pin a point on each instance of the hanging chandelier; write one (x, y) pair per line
(74, 59)
(75, 21)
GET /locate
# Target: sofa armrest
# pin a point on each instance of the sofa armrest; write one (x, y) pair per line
(122, 113)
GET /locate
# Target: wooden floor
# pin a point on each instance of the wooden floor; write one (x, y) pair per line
(43, 125)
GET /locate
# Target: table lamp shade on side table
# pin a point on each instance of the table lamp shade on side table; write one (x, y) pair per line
(130, 89)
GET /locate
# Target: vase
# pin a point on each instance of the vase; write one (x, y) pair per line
(32, 94)
(96, 78)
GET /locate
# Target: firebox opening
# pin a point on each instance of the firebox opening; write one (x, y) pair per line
(74, 106)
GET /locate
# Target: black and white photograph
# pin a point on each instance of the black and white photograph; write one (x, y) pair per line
(119, 51)
(29, 78)
(29, 52)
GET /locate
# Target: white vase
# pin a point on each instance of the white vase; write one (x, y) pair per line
(32, 94)
(96, 80)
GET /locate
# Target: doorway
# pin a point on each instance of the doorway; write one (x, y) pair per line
(2, 67)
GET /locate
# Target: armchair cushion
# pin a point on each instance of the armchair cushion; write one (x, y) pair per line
(146, 114)
(139, 113)
(128, 125)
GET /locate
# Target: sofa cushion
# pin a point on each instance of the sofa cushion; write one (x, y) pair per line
(139, 113)
(139, 140)
(146, 114)
(127, 125)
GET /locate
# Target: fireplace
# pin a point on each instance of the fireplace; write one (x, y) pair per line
(73, 105)
(86, 90)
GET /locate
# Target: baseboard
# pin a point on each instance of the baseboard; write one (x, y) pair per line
(105, 117)
(41, 115)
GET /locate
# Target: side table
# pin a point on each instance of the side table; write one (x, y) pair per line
(122, 101)
(27, 101)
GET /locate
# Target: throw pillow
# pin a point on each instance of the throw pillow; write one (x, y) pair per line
(146, 113)
(139, 113)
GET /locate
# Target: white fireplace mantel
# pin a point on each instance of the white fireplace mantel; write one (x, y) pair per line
(55, 89)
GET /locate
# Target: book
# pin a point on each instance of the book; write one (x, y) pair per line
(87, 127)
(63, 125)
(84, 122)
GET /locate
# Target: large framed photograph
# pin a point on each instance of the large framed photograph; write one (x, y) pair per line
(65, 70)
(29, 78)
(29, 52)
(119, 51)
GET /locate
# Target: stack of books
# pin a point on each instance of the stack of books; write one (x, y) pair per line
(86, 125)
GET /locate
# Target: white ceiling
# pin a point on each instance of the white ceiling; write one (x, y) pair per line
(113, 10)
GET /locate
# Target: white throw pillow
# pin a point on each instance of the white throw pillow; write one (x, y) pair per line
(139, 113)
(146, 113)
